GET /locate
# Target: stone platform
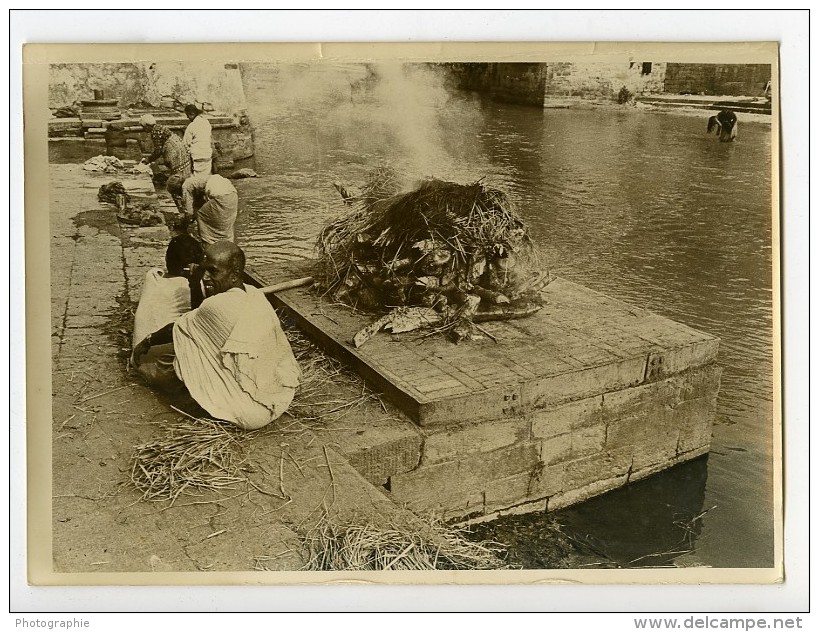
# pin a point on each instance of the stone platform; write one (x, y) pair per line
(585, 396)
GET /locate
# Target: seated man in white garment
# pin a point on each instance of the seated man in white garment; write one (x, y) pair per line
(165, 296)
(230, 350)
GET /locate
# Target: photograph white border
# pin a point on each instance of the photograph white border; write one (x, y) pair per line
(476, 26)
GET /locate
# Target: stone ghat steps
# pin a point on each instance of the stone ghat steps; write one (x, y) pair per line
(328, 466)
(736, 106)
(89, 126)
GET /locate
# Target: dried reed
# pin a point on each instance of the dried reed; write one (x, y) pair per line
(369, 547)
(328, 389)
(194, 455)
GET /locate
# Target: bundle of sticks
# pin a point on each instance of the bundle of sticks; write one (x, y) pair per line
(333, 546)
(194, 455)
(459, 253)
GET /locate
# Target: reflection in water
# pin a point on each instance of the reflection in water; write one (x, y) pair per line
(657, 519)
(656, 522)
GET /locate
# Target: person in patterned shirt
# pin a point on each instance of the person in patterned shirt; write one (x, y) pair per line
(168, 146)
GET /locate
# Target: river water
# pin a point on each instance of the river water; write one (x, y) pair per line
(639, 205)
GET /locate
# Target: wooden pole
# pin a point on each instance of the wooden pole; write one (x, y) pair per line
(287, 285)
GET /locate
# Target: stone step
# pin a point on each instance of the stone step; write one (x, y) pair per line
(748, 108)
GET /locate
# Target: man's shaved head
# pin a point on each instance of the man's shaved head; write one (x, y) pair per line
(224, 264)
(229, 253)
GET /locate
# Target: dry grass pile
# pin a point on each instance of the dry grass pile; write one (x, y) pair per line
(382, 182)
(328, 390)
(368, 547)
(193, 456)
(454, 248)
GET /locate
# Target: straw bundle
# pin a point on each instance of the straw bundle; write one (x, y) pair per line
(382, 182)
(441, 245)
(369, 547)
(194, 455)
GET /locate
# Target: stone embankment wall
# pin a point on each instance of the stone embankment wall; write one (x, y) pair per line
(531, 83)
(717, 79)
(558, 455)
(580, 398)
(603, 81)
(540, 83)
(509, 82)
(188, 82)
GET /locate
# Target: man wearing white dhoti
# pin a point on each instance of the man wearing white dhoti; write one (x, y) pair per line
(231, 352)
(198, 140)
(212, 200)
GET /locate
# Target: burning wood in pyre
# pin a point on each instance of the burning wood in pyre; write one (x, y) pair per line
(442, 255)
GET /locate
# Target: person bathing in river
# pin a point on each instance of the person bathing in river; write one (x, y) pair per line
(166, 145)
(210, 199)
(230, 351)
(198, 140)
(165, 296)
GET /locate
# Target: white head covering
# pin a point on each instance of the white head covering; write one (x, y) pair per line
(147, 119)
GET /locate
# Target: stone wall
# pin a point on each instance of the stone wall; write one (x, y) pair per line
(717, 79)
(217, 84)
(536, 83)
(579, 398)
(558, 455)
(603, 81)
(530, 83)
(507, 82)
(68, 83)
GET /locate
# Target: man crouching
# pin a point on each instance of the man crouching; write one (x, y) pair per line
(230, 350)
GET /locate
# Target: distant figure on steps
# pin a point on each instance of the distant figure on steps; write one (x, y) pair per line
(198, 140)
(166, 145)
(724, 124)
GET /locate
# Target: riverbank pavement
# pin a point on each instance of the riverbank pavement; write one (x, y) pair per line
(100, 412)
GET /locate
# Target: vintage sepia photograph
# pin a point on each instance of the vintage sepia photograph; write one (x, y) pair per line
(334, 311)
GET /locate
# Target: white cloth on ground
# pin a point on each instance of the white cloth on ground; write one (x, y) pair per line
(107, 164)
(234, 358)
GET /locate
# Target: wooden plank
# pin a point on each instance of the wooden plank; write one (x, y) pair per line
(343, 352)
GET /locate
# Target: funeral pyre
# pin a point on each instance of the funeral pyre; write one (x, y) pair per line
(442, 255)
